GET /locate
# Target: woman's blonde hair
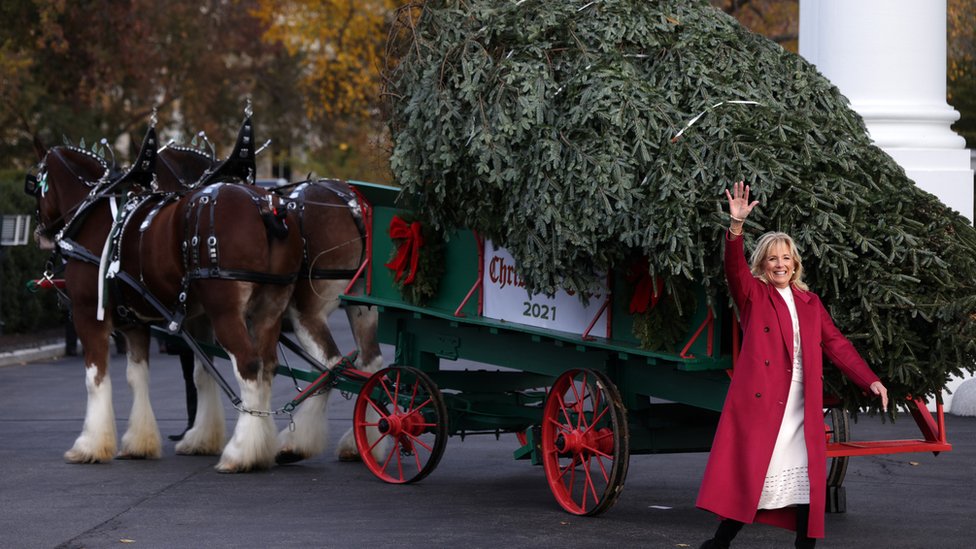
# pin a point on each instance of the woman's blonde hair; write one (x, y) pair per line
(759, 255)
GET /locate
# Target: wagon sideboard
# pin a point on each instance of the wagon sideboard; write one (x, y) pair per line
(672, 398)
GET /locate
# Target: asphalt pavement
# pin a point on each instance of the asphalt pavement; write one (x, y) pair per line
(477, 497)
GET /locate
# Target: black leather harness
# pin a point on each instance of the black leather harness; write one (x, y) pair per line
(338, 188)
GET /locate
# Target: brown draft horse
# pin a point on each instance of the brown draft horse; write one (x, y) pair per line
(334, 249)
(238, 269)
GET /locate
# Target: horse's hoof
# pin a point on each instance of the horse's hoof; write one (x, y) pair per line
(286, 457)
(349, 456)
(238, 467)
(74, 456)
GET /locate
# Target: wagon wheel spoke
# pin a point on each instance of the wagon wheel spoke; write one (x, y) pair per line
(406, 443)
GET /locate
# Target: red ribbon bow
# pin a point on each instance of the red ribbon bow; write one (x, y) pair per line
(647, 291)
(408, 250)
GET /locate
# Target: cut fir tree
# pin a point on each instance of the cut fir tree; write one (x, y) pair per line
(561, 131)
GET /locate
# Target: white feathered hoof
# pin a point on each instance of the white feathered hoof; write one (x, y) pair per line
(253, 446)
(84, 452)
(347, 450)
(230, 466)
(305, 437)
(147, 446)
(348, 455)
(196, 442)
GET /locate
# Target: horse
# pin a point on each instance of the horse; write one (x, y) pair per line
(223, 251)
(329, 221)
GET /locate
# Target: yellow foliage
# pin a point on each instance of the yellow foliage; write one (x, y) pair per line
(341, 45)
(962, 39)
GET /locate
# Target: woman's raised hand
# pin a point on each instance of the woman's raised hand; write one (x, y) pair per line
(739, 205)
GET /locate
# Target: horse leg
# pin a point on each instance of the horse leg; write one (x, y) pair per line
(309, 311)
(206, 436)
(252, 446)
(363, 321)
(141, 440)
(96, 443)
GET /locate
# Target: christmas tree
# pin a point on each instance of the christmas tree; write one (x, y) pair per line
(583, 134)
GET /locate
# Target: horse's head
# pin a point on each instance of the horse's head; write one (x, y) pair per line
(61, 181)
(180, 168)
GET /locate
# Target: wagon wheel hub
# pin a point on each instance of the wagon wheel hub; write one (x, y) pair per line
(584, 441)
(388, 425)
(411, 423)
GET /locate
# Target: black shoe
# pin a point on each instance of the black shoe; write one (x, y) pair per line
(712, 544)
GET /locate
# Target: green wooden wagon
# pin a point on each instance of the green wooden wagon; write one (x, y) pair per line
(581, 403)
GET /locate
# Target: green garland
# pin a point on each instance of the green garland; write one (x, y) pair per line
(666, 326)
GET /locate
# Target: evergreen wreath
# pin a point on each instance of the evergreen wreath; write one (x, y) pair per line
(665, 324)
(425, 282)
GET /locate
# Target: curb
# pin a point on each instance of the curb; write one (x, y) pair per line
(23, 356)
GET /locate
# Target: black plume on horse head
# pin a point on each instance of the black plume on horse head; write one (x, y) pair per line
(241, 163)
(142, 173)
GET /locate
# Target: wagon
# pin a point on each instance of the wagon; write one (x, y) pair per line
(581, 398)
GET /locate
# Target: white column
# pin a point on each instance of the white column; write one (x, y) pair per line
(889, 58)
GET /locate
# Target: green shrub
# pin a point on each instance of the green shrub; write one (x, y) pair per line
(20, 310)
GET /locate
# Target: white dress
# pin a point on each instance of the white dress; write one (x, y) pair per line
(787, 482)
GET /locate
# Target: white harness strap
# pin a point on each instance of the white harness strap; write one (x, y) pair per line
(103, 267)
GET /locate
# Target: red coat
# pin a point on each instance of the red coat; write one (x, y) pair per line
(755, 403)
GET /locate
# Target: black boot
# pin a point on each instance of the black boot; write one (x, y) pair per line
(802, 528)
(727, 529)
(186, 364)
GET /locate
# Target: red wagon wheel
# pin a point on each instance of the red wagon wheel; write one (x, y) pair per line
(585, 444)
(838, 430)
(400, 423)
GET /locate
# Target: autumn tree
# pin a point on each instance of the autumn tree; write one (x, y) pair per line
(97, 68)
(339, 45)
(962, 66)
(777, 20)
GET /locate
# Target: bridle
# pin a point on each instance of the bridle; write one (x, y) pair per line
(37, 186)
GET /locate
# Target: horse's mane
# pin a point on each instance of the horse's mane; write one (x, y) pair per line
(192, 150)
(107, 169)
(101, 160)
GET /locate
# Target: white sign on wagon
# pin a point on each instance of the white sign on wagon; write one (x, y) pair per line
(505, 298)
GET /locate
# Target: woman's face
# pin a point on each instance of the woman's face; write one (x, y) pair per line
(778, 265)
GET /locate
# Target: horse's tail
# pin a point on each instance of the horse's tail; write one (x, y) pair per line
(274, 222)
